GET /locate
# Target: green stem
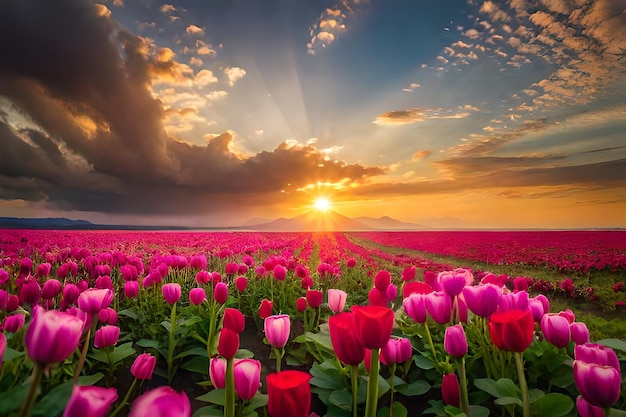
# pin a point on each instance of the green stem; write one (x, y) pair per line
(125, 400)
(279, 358)
(522, 383)
(463, 383)
(229, 394)
(372, 385)
(83, 353)
(354, 377)
(212, 323)
(171, 345)
(392, 378)
(29, 401)
(429, 338)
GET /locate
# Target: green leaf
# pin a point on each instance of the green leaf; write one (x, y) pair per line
(197, 364)
(508, 401)
(552, 405)
(423, 362)
(507, 388)
(99, 355)
(488, 385)
(197, 351)
(10, 354)
(419, 387)
(454, 412)
(534, 394)
(616, 344)
(326, 378)
(399, 410)
(55, 401)
(122, 352)
(12, 400)
(259, 400)
(167, 325)
(210, 411)
(128, 313)
(436, 407)
(342, 399)
(337, 412)
(479, 411)
(614, 412)
(215, 396)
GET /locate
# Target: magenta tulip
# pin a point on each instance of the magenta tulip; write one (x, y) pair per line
(579, 332)
(382, 280)
(482, 299)
(344, 339)
(555, 329)
(51, 288)
(93, 300)
(108, 316)
(241, 283)
(106, 336)
(217, 372)
(455, 341)
(143, 366)
(277, 329)
(453, 282)
(197, 296)
(131, 289)
(52, 336)
(171, 293)
(450, 390)
(337, 300)
(92, 401)
(596, 353)
(30, 292)
(161, 401)
(314, 298)
(247, 378)
(14, 323)
(415, 307)
(397, 350)
(513, 301)
(220, 293)
(587, 410)
(280, 272)
(599, 385)
(70, 293)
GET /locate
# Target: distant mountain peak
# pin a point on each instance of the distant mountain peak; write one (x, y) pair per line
(334, 221)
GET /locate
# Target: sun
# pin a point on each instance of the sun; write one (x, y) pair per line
(322, 204)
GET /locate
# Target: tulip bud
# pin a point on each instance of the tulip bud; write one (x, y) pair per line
(579, 332)
(220, 293)
(228, 343)
(277, 330)
(555, 329)
(92, 401)
(266, 308)
(234, 320)
(397, 350)
(106, 336)
(108, 316)
(439, 306)
(217, 372)
(51, 288)
(450, 390)
(455, 341)
(301, 304)
(93, 300)
(382, 280)
(52, 336)
(336, 300)
(197, 296)
(159, 401)
(13, 323)
(171, 293)
(247, 378)
(131, 289)
(241, 283)
(314, 298)
(143, 367)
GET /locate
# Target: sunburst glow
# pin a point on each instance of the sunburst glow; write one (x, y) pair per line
(322, 204)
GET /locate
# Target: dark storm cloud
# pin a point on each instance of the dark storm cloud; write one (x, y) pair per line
(95, 138)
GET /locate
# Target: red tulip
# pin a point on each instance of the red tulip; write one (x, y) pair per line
(344, 339)
(416, 287)
(289, 394)
(373, 325)
(382, 280)
(52, 336)
(408, 274)
(377, 298)
(314, 298)
(512, 330)
(450, 390)
(301, 304)
(92, 401)
(143, 367)
(234, 320)
(266, 308)
(241, 283)
(162, 401)
(228, 343)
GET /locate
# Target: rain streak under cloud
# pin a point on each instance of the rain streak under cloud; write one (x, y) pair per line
(489, 114)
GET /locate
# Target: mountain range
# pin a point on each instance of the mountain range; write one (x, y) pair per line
(312, 221)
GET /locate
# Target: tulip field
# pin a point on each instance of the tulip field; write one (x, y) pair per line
(437, 323)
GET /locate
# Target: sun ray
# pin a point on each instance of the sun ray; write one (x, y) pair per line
(322, 204)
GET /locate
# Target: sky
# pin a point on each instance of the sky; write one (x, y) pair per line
(489, 114)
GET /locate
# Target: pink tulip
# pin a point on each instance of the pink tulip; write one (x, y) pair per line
(280, 272)
(439, 306)
(51, 288)
(163, 401)
(599, 385)
(171, 293)
(217, 372)
(453, 282)
(247, 378)
(106, 336)
(596, 353)
(143, 367)
(241, 283)
(569, 315)
(92, 401)
(337, 300)
(277, 329)
(455, 341)
(415, 307)
(52, 336)
(4, 299)
(108, 316)
(587, 410)
(70, 294)
(555, 329)
(513, 301)
(220, 293)
(3, 345)
(93, 300)
(197, 296)
(30, 292)
(203, 277)
(536, 306)
(391, 293)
